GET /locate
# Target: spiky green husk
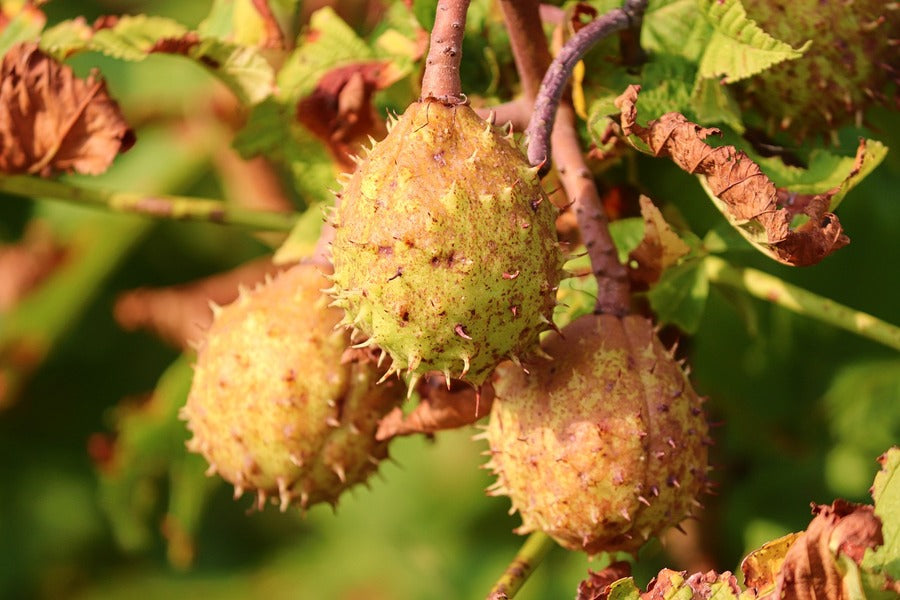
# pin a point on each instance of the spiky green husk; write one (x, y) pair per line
(445, 253)
(605, 445)
(272, 406)
(852, 60)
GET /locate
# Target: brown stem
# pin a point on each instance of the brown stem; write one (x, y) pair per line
(554, 83)
(532, 57)
(515, 112)
(441, 79)
(613, 292)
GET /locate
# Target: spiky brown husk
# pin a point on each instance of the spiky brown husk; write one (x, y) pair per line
(272, 406)
(851, 64)
(603, 446)
(445, 253)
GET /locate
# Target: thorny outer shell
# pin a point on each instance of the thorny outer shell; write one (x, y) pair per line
(272, 406)
(603, 446)
(446, 254)
(852, 59)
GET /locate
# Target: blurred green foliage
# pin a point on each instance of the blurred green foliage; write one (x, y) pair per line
(803, 409)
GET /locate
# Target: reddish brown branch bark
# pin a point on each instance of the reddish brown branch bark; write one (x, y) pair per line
(532, 58)
(557, 75)
(441, 79)
(613, 289)
(528, 43)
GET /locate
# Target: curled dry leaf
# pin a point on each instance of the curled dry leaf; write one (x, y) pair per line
(748, 198)
(659, 249)
(811, 570)
(670, 584)
(51, 121)
(180, 314)
(438, 409)
(597, 583)
(340, 111)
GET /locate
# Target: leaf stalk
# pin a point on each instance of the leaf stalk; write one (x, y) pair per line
(530, 555)
(772, 289)
(161, 206)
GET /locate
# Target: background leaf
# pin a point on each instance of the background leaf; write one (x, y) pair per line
(738, 48)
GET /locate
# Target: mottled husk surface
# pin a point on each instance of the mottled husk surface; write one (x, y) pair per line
(446, 254)
(847, 67)
(603, 446)
(273, 408)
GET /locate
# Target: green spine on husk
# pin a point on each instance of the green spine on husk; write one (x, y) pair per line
(445, 254)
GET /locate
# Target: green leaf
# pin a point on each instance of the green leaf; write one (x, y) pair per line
(863, 413)
(825, 172)
(23, 27)
(271, 130)
(577, 294)
(132, 37)
(219, 22)
(149, 436)
(669, 24)
(666, 86)
(886, 494)
(725, 238)
(738, 48)
(624, 589)
(711, 103)
(65, 38)
(627, 235)
(679, 297)
(327, 43)
(302, 239)
(241, 68)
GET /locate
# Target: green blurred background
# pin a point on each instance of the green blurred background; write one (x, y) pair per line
(802, 409)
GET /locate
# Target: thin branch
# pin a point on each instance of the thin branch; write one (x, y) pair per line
(541, 125)
(613, 287)
(515, 112)
(523, 21)
(526, 561)
(441, 80)
(532, 58)
(772, 289)
(159, 206)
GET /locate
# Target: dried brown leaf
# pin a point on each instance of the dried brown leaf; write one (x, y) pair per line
(660, 247)
(340, 110)
(438, 409)
(811, 570)
(180, 314)
(747, 197)
(597, 582)
(51, 121)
